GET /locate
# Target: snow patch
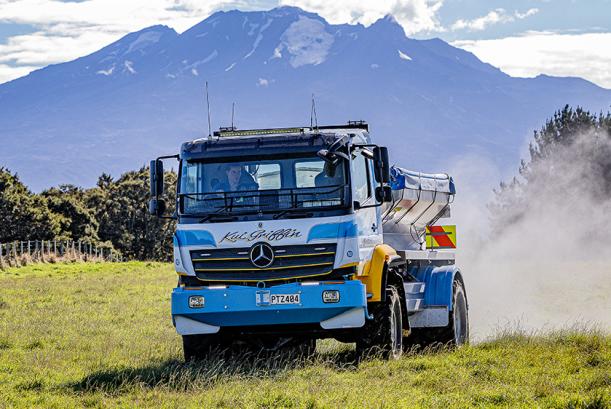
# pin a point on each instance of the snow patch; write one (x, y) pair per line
(253, 27)
(263, 82)
(277, 52)
(230, 67)
(106, 72)
(404, 56)
(259, 38)
(129, 66)
(210, 57)
(201, 35)
(144, 40)
(307, 41)
(193, 67)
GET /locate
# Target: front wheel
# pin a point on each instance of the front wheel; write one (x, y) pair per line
(198, 347)
(384, 333)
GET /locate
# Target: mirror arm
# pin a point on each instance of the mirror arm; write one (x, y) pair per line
(371, 205)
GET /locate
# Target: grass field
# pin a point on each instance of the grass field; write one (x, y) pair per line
(99, 335)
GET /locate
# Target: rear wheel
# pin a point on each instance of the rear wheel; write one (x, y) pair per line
(457, 330)
(384, 334)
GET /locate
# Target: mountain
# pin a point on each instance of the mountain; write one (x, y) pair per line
(143, 95)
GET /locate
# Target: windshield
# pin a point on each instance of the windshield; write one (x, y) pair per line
(261, 185)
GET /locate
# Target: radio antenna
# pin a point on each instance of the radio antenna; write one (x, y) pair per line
(232, 114)
(208, 104)
(313, 117)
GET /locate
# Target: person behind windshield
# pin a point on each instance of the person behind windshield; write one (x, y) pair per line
(236, 179)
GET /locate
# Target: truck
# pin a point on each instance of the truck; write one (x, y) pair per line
(289, 235)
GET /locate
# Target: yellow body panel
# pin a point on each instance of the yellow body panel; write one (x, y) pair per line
(371, 275)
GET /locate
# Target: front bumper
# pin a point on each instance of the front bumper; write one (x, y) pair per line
(236, 306)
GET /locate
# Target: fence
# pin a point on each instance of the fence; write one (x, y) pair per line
(51, 250)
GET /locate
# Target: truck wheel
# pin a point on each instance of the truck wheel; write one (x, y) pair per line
(385, 332)
(307, 349)
(457, 331)
(198, 347)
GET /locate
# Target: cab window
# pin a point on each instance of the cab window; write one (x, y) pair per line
(360, 178)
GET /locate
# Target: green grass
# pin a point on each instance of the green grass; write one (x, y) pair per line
(98, 335)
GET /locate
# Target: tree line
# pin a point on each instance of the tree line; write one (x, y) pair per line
(569, 162)
(573, 146)
(113, 214)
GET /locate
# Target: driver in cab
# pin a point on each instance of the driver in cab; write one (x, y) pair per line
(237, 179)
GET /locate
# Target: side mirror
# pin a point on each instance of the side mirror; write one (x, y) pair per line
(383, 194)
(157, 207)
(328, 157)
(156, 169)
(381, 164)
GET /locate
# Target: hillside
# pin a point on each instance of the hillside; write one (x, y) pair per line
(141, 96)
(100, 335)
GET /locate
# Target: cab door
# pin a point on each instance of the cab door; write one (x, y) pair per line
(367, 214)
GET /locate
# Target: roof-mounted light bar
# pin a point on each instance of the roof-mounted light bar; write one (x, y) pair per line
(231, 131)
(228, 132)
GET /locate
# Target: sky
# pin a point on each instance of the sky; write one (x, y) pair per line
(522, 37)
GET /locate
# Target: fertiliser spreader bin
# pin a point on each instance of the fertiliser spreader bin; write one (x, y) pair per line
(285, 236)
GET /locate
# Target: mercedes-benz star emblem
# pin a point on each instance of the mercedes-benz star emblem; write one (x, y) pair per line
(261, 255)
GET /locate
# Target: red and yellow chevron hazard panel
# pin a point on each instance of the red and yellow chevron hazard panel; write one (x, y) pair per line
(440, 237)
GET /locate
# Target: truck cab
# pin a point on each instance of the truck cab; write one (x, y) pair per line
(280, 241)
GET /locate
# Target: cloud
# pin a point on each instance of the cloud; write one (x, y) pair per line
(494, 17)
(8, 73)
(414, 15)
(68, 30)
(586, 55)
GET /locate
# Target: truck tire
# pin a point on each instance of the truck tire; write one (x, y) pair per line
(384, 334)
(457, 331)
(198, 347)
(454, 334)
(307, 349)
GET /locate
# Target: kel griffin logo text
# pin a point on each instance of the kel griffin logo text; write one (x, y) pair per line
(269, 235)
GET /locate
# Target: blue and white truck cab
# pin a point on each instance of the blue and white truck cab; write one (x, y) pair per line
(285, 236)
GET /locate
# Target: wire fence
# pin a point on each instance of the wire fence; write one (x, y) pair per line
(18, 253)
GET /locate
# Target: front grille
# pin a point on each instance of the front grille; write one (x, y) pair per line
(290, 262)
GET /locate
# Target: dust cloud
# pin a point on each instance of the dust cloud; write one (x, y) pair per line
(543, 263)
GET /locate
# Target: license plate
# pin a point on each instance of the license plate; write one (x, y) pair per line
(276, 299)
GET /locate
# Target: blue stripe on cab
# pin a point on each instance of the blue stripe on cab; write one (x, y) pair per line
(332, 231)
(195, 238)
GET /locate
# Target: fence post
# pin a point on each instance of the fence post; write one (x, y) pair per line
(28, 247)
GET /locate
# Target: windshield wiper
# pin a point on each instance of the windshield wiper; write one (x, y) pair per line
(293, 214)
(218, 217)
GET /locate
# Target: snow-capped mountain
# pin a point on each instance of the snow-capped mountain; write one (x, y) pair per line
(143, 95)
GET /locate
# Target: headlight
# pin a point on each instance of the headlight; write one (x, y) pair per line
(330, 296)
(196, 301)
